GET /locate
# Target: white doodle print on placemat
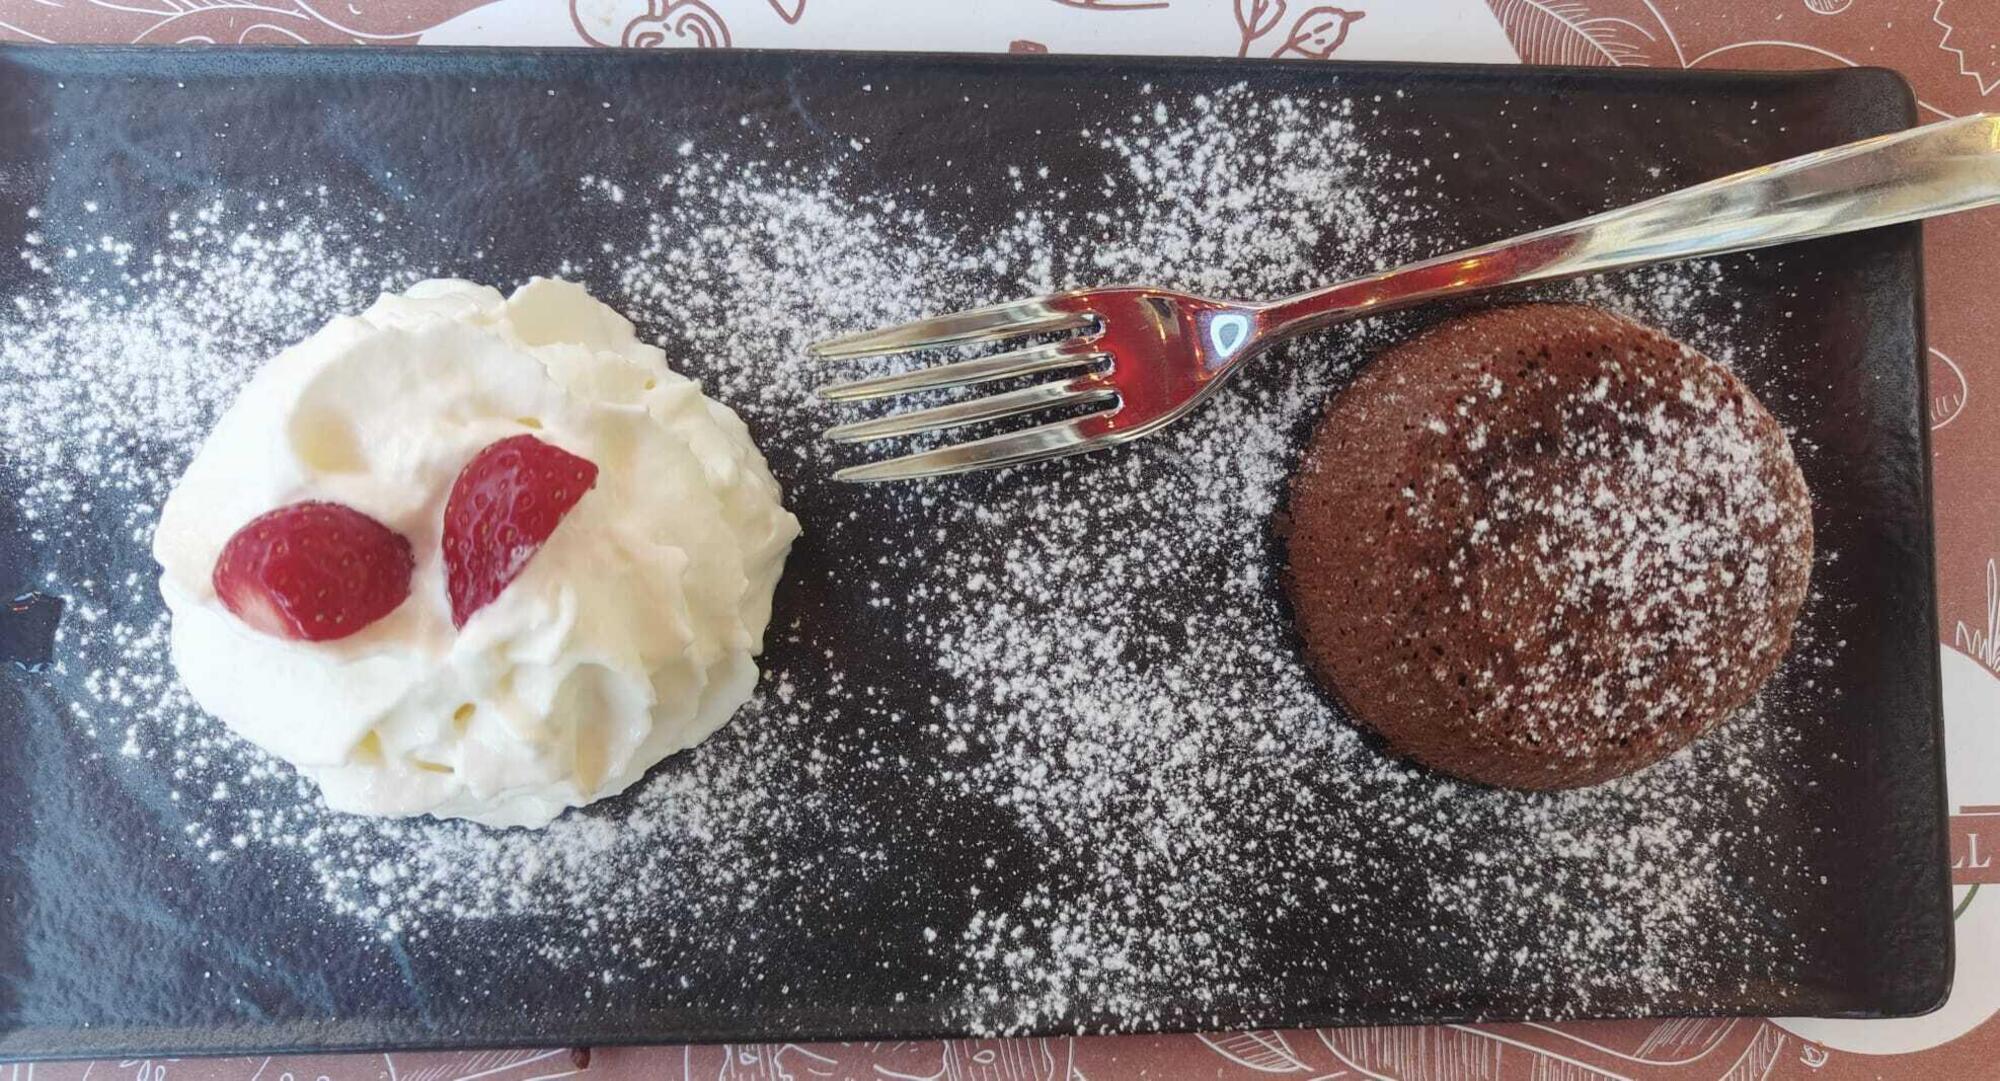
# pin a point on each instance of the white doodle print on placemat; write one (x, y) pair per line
(1573, 32)
(1949, 390)
(1443, 30)
(1976, 46)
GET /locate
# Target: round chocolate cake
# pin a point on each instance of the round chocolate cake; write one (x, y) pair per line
(1545, 546)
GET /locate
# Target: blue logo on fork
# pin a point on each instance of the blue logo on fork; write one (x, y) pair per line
(1227, 331)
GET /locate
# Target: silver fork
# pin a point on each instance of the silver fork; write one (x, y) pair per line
(1141, 356)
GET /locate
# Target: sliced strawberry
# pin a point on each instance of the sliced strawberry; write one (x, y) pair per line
(313, 571)
(502, 508)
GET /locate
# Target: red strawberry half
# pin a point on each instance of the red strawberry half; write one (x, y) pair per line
(313, 571)
(502, 508)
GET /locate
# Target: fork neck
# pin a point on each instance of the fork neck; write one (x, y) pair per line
(1469, 271)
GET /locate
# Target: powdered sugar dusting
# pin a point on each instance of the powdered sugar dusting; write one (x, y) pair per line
(1118, 694)
(1612, 533)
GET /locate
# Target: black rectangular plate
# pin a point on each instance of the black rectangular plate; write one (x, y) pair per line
(116, 938)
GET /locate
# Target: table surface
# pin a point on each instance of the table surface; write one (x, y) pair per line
(1950, 52)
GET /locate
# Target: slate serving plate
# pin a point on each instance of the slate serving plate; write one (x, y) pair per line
(112, 941)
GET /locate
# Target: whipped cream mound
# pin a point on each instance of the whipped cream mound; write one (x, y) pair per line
(628, 636)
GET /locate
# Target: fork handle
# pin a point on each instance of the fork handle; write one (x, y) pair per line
(1936, 169)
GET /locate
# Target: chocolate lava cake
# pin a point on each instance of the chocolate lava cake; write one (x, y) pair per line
(1545, 546)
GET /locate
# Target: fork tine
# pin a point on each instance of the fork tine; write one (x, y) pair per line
(973, 410)
(959, 328)
(1051, 440)
(964, 373)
